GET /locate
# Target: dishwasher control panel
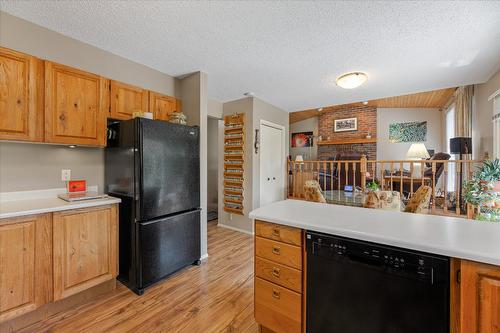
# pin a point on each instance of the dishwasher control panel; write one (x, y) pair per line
(413, 264)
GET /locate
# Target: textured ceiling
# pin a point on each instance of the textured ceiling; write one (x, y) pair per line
(289, 53)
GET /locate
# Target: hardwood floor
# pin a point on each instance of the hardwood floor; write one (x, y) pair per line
(215, 297)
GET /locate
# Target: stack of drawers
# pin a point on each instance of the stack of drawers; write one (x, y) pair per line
(278, 277)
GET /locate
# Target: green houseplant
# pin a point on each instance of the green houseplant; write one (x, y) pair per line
(373, 186)
(483, 191)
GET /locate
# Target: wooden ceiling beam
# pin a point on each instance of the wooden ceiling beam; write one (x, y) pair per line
(423, 100)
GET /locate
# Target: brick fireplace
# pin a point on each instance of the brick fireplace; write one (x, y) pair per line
(367, 123)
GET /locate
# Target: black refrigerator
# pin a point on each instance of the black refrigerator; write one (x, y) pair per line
(154, 168)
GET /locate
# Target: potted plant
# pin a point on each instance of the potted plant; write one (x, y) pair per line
(483, 191)
(373, 186)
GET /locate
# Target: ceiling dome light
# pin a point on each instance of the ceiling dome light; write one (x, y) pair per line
(351, 80)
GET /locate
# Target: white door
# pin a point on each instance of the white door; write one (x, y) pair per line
(272, 169)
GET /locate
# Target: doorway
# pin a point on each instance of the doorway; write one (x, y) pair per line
(272, 163)
(212, 167)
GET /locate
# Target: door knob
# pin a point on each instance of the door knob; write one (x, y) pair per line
(274, 178)
(268, 178)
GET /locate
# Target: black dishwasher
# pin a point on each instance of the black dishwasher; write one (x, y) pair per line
(357, 286)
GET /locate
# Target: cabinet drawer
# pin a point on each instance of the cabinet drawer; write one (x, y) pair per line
(277, 308)
(281, 253)
(278, 232)
(282, 275)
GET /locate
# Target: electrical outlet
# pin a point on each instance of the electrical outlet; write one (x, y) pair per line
(65, 175)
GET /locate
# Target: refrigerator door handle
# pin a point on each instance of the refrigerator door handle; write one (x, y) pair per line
(163, 218)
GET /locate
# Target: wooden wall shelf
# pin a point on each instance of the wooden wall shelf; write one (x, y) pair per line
(347, 142)
(234, 147)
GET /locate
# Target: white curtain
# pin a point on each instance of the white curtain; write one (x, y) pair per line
(463, 111)
(450, 133)
(496, 127)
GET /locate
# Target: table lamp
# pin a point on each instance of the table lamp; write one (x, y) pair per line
(417, 151)
(299, 158)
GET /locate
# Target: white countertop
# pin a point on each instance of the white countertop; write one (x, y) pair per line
(24, 203)
(448, 236)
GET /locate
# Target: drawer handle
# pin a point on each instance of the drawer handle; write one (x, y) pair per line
(276, 294)
(276, 272)
(276, 250)
(276, 232)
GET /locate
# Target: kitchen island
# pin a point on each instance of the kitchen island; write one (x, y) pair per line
(473, 249)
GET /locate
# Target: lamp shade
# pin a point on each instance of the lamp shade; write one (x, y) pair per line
(417, 151)
(461, 145)
(299, 158)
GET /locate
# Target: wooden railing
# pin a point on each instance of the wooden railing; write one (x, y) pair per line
(335, 175)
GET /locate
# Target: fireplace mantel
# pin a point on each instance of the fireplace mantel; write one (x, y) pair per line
(346, 142)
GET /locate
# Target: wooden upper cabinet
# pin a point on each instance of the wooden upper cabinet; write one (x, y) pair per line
(479, 298)
(21, 96)
(85, 249)
(162, 105)
(25, 264)
(75, 104)
(127, 99)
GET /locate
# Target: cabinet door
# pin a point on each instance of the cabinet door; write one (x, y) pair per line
(21, 96)
(479, 298)
(162, 106)
(85, 249)
(127, 99)
(74, 106)
(25, 264)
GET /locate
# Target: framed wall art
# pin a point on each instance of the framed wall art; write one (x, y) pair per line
(345, 125)
(302, 139)
(415, 131)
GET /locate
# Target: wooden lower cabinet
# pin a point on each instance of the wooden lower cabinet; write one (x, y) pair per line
(277, 308)
(479, 298)
(47, 257)
(279, 233)
(85, 249)
(25, 264)
(279, 278)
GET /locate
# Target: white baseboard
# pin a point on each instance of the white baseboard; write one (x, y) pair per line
(234, 229)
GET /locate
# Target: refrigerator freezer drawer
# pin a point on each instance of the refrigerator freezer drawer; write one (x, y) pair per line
(167, 245)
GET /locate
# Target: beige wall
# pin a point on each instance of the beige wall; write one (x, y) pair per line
(215, 108)
(265, 111)
(25, 166)
(397, 151)
(306, 125)
(24, 36)
(195, 107)
(255, 110)
(212, 162)
(482, 127)
(240, 222)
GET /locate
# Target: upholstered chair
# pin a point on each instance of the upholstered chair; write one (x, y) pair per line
(420, 200)
(312, 191)
(385, 200)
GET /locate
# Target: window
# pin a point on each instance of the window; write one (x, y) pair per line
(450, 133)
